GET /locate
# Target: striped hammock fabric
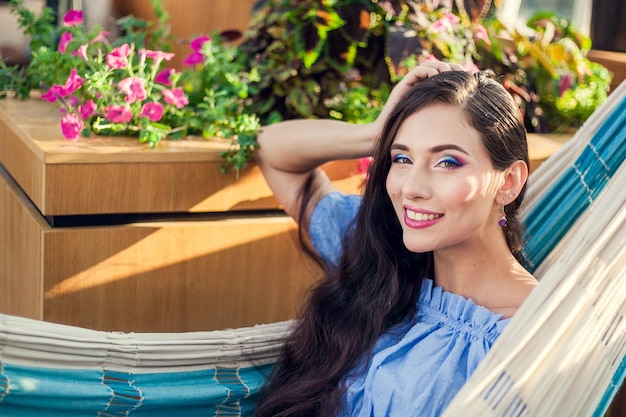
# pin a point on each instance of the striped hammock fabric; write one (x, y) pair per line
(56, 370)
(563, 354)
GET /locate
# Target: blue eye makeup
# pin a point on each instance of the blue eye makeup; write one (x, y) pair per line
(400, 159)
(450, 162)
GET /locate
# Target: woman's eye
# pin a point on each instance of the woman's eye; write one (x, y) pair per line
(400, 159)
(449, 163)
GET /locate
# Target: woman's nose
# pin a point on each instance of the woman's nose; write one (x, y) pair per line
(417, 184)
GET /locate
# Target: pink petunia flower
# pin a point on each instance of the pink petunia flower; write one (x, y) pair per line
(71, 125)
(73, 18)
(364, 165)
(55, 92)
(87, 109)
(101, 37)
(72, 101)
(196, 57)
(134, 88)
(118, 57)
(117, 113)
(82, 52)
(64, 41)
(73, 82)
(176, 97)
(157, 56)
(153, 111)
(165, 77)
(430, 57)
(446, 23)
(197, 43)
(481, 33)
(565, 83)
(193, 58)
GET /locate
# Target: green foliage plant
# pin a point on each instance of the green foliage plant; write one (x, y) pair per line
(310, 56)
(568, 86)
(339, 59)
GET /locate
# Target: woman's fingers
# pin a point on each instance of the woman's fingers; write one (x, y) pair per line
(457, 67)
(428, 69)
(414, 76)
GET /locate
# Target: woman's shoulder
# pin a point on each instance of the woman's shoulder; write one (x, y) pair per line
(337, 200)
(510, 302)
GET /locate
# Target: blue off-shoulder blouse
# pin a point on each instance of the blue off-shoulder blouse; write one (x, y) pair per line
(418, 366)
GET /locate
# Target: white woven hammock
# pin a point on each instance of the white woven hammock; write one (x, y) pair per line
(563, 354)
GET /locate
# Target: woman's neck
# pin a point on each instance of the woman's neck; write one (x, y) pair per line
(487, 274)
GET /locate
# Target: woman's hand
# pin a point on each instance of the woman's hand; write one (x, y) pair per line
(417, 74)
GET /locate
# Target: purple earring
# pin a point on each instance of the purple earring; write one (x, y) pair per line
(502, 218)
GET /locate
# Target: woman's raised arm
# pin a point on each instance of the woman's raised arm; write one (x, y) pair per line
(291, 151)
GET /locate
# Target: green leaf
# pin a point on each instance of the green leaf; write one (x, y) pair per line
(358, 20)
(327, 20)
(341, 52)
(309, 57)
(309, 41)
(300, 100)
(156, 126)
(179, 134)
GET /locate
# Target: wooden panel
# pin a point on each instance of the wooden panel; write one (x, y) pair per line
(153, 188)
(165, 187)
(542, 146)
(175, 276)
(20, 252)
(18, 157)
(190, 18)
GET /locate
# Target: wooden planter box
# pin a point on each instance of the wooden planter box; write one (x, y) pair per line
(108, 234)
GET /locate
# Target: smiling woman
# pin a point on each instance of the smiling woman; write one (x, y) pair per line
(425, 269)
(441, 175)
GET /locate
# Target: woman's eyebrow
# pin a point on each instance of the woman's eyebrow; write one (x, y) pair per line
(434, 149)
(441, 148)
(399, 146)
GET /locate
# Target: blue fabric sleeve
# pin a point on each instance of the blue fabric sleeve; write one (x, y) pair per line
(330, 220)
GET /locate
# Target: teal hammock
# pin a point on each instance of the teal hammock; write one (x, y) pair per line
(576, 188)
(55, 370)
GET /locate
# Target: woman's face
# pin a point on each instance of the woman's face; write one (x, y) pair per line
(441, 182)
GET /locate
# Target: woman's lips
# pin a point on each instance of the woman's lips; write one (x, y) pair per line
(419, 219)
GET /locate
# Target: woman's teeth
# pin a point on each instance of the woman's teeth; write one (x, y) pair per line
(413, 215)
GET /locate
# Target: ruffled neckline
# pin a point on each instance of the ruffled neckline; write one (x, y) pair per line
(455, 311)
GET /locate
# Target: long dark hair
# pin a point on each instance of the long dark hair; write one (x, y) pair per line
(377, 280)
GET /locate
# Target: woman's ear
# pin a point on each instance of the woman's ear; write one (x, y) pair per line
(514, 179)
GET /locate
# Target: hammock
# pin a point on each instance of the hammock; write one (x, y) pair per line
(562, 354)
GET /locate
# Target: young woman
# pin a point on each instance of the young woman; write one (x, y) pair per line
(424, 270)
